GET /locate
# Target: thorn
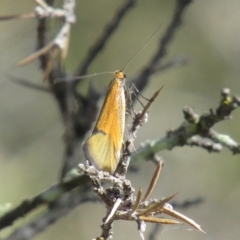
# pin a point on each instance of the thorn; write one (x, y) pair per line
(114, 209)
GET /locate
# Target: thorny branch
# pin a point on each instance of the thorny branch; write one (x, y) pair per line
(143, 153)
(139, 119)
(156, 229)
(197, 130)
(119, 199)
(121, 203)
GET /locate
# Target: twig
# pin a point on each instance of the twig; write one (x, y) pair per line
(107, 231)
(60, 208)
(122, 205)
(60, 42)
(188, 203)
(18, 16)
(153, 181)
(196, 131)
(174, 62)
(225, 140)
(139, 119)
(26, 83)
(105, 36)
(44, 198)
(141, 80)
(153, 234)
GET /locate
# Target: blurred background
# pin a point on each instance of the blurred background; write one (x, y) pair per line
(31, 130)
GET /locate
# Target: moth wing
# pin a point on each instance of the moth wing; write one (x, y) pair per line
(100, 151)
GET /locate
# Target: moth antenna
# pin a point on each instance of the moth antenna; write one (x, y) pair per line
(133, 57)
(58, 80)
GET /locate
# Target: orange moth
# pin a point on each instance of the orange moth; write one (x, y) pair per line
(103, 147)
